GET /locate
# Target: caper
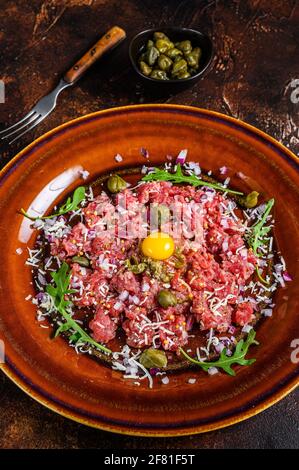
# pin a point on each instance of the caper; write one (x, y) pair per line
(184, 46)
(173, 53)
(164, 62)
(134, 265)
(159, 75)
(183, 74)
(159, 35)
(166, 298)
(159, 214)
(145, 68)
(153, 358)
(151, 55)
(179, 259)
(149, 44)
(197, 52)
(250, 200)
(192, 60)
(82, 260)
(177, 58)
(115, 184)
(163, 45)
(165, 277)
(179, 67)
(138, 268)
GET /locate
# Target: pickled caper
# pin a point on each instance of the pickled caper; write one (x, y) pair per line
(151, 55)
(250, 200)
(159, 35)
(179, 67)
(159, 75)
(153, 358)
(183, 74)
(81, 260)
(164, 62)
(197, 52)
(150, 44)
(179, 259)
(173, 53)
(138, 268)
(192, 60)
(134, 265)
(145, 68)
(163, 45)
(115, 184)
(166, 298)
(184, 46)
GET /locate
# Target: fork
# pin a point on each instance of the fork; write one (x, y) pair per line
(45, 105)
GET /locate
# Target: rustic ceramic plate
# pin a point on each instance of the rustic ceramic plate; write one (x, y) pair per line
(78, 387)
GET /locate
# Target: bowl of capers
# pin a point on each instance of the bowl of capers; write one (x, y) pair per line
(171, 56)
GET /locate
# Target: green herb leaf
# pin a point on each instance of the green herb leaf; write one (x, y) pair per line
(225, 362)
(178, 177)
(72, 204)
(258, 231)
(58, 292)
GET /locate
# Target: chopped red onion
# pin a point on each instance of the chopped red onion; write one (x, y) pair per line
(225, 245)
(219, 347)
(84, 174)
(191, 381)
(124, 295)
(118, 158)
(41, 296)
(231, 330)
(144, 152)
(41, 279)
(223, 170)
(267, 312)
(145, 287)
(135, 299)
(38, 223)
(286, 276)
(212, 370)
(189, 323)
(181, 157)
(165, 380)
(246, 328)
(117, 306)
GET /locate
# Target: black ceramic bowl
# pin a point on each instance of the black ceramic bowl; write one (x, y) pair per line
(175, 34)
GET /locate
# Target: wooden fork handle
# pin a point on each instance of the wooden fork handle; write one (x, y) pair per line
(113, 37)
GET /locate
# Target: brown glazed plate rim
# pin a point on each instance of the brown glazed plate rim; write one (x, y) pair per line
(262, 402)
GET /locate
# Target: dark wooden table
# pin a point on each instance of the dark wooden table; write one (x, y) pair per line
(256, 60)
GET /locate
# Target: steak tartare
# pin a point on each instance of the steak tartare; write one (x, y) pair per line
(159, 263)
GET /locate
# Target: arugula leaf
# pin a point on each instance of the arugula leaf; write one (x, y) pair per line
(258, 232)
(72, 204)
(58, 292)
(178, 177)
(225, 362)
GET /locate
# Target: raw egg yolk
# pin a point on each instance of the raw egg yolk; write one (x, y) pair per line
(158, 245)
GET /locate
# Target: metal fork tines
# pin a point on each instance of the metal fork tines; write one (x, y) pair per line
(34, 117)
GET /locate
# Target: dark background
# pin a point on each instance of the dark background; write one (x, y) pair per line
(256, 59)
